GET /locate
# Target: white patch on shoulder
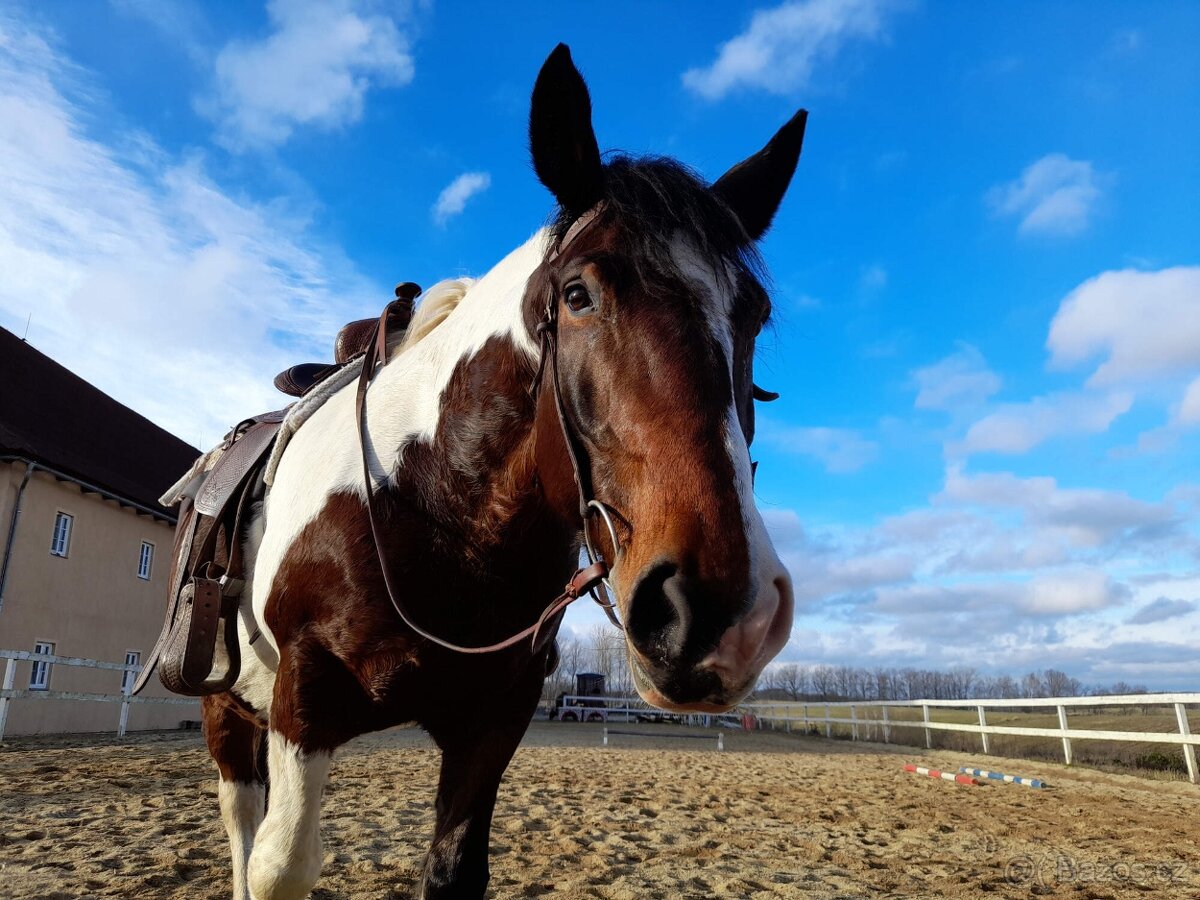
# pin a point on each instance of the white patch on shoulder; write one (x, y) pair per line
(286, 860)
(404, 404)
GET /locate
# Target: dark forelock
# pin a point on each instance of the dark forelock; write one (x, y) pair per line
(651, 198)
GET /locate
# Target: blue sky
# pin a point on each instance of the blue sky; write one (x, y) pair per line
(986, 274)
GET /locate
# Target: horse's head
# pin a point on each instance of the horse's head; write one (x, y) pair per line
(657, 307)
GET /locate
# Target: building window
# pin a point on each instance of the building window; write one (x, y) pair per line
(39, 678)
(132, 658)
(60, 543)
(145, 560)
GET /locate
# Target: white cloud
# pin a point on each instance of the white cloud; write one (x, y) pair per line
(1071, 593)
(1019, 427)
(1145, 325)
(1184, 416)
(960, 380)
(780, 48)
(313, 69)
(1063, 593)
(1004, 573)
(1055, 195)
(1189, 407)
(453, 198)
(1002, 522)
(839, 450)
(143, 276)
(1087, 517)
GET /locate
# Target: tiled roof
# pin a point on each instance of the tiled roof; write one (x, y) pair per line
(52, 416)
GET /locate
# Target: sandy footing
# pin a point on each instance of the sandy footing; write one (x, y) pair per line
(772, 816)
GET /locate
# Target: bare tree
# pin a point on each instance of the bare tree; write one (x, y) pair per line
(570, 661)
(1032, 686)
(1004, 686)
(792, 679)
(883, 683)
(823, 682)
(1060, 684)
(963, 683)
(827, 683)
(607, 657)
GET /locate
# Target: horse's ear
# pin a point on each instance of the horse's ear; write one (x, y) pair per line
(754, 188)
(561, 140)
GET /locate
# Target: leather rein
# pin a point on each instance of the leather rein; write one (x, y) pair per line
(589, 580)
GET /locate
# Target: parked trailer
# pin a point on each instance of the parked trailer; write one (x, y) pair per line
(587, 704)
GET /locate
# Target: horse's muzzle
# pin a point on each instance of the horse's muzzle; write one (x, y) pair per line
(673, 677)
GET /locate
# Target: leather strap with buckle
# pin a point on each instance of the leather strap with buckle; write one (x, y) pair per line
(589, 580)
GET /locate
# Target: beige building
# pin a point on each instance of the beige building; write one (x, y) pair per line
(86, 546)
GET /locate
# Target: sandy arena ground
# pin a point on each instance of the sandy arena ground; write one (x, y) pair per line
(772, 816)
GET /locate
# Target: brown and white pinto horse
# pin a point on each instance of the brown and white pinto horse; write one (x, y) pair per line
(657, 307)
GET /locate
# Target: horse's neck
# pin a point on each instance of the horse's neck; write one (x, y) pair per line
(452, 414)
(405, 402)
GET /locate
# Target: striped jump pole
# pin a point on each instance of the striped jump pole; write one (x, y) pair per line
(936, 773)
(1000, 776)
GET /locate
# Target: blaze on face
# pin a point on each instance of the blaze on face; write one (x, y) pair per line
(658, 307)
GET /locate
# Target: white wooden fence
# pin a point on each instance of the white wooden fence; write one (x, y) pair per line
(788, 713)
(798, 712)
(8, 693)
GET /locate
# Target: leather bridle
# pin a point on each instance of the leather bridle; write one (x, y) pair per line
(590, 580)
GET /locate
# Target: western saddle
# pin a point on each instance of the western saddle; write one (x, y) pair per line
(207, 569)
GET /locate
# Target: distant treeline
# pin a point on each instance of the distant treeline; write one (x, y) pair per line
(603, 650)
(794, 681)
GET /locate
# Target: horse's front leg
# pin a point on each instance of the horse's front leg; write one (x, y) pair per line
(286, 860)
(236, 743)
(473, 762)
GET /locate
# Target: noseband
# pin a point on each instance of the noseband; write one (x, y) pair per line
(591, 580)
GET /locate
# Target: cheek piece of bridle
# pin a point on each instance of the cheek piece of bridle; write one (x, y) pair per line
(592, 579)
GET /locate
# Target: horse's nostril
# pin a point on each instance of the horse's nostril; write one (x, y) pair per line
(659, 615)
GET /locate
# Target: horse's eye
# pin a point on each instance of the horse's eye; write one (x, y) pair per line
(578, 300)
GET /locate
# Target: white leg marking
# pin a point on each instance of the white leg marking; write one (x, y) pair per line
(286, 860)
(242, 807)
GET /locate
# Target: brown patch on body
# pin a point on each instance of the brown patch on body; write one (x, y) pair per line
(235, 738)
(472, 546)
